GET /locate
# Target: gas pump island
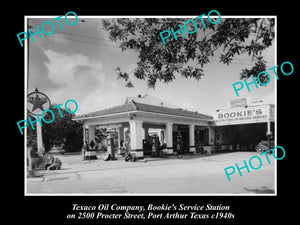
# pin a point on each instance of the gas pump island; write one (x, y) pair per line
(110, 153)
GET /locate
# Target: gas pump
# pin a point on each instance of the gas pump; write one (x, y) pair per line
(111, 147)
(155, 146)
(179, 144)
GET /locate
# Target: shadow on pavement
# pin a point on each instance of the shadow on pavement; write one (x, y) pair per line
(261, 190)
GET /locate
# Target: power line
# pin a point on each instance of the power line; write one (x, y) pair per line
(104, 39)
(86, 42)
(213, 58)
(79, 35)
(82, 36)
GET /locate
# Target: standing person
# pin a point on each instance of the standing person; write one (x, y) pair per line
(127, 146)
(84, 149)
(121, 143)
(179, 145)
(127, 150)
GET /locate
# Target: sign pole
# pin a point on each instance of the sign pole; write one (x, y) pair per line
(269, 132)
(37, 103)
(40, 146)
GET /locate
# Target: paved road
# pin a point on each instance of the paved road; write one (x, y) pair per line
(190, 175)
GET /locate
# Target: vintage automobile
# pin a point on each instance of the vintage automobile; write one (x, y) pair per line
(263, 146)
(57, 148)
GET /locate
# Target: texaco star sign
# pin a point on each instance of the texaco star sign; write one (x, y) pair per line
(37, 102)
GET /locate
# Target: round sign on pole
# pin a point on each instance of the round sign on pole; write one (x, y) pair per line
(37, 102)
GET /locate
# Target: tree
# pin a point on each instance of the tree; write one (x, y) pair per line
(188, 55)
(61, 130)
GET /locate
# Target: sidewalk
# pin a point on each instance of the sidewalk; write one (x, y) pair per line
(73, 165)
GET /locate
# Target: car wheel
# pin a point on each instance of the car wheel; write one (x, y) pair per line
(260, 149)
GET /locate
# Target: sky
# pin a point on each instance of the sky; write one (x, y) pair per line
(79, 62)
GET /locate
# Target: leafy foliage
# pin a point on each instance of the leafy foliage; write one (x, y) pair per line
(61, 130)
(188, 55)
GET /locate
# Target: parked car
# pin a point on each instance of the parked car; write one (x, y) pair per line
(263, 146)
(57, 149)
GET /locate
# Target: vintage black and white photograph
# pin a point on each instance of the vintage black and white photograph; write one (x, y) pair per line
(151, 105)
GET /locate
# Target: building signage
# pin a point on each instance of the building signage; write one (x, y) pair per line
(251, 114)
(239, 102)
(37, 102)
(109, 126)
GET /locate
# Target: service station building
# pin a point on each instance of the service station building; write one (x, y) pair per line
(239, 127)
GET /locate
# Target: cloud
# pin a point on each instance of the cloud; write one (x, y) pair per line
(69, 69)
(80, 78)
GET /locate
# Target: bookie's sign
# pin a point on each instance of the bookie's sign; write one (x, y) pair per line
(243, 115)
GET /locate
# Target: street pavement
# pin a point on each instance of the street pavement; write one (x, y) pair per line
(189, 175)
